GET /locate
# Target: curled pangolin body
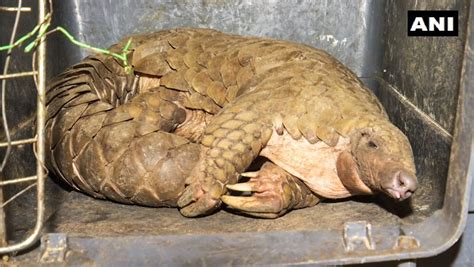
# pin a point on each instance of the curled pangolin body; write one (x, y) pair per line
(110, 140)
(200, 103)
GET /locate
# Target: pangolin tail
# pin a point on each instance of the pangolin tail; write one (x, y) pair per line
(109, 140)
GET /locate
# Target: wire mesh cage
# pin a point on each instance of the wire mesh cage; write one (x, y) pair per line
(8, 144)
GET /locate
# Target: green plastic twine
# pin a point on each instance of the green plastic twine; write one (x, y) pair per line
(42, 30)
(24, 37)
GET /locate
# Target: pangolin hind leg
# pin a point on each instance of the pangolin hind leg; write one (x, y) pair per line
(274, 193)
(233, 139)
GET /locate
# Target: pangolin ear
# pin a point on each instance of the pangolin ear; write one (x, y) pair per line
(358, 135)
(348, 172)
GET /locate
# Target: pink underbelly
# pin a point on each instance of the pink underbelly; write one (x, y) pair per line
(315, 164)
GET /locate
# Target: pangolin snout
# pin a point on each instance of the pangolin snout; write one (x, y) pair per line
(401, 185)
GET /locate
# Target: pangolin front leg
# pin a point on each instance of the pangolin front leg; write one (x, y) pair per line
(274, 193)
(233, 139)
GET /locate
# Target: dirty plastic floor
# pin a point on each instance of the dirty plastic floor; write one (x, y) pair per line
(84, 216)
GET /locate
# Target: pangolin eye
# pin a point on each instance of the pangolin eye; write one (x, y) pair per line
(372, 144)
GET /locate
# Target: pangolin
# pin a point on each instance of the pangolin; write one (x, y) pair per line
(199, 106)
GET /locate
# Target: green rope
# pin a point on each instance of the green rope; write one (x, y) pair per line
(42, 30)
(24, 37)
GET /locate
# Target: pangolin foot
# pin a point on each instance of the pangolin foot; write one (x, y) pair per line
(272, 195)
(200, 197)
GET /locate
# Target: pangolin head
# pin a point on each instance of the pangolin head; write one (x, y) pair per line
(381, 157)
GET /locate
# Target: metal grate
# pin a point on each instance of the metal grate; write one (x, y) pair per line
(38, 73)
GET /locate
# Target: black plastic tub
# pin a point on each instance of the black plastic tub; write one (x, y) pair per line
(425, 83)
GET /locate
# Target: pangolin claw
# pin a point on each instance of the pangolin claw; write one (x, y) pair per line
(249, 204)
(202, 206)
(249, 174)
(201, 197)
(190, 194)
(241, 187)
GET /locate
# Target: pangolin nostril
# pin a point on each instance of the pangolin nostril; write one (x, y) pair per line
(401, 181)
(402, 184)
(407, 184)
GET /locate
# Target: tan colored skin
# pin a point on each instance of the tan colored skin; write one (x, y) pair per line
(201, 106)
(309, 162)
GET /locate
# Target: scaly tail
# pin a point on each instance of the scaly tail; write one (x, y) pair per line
(109, 141)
